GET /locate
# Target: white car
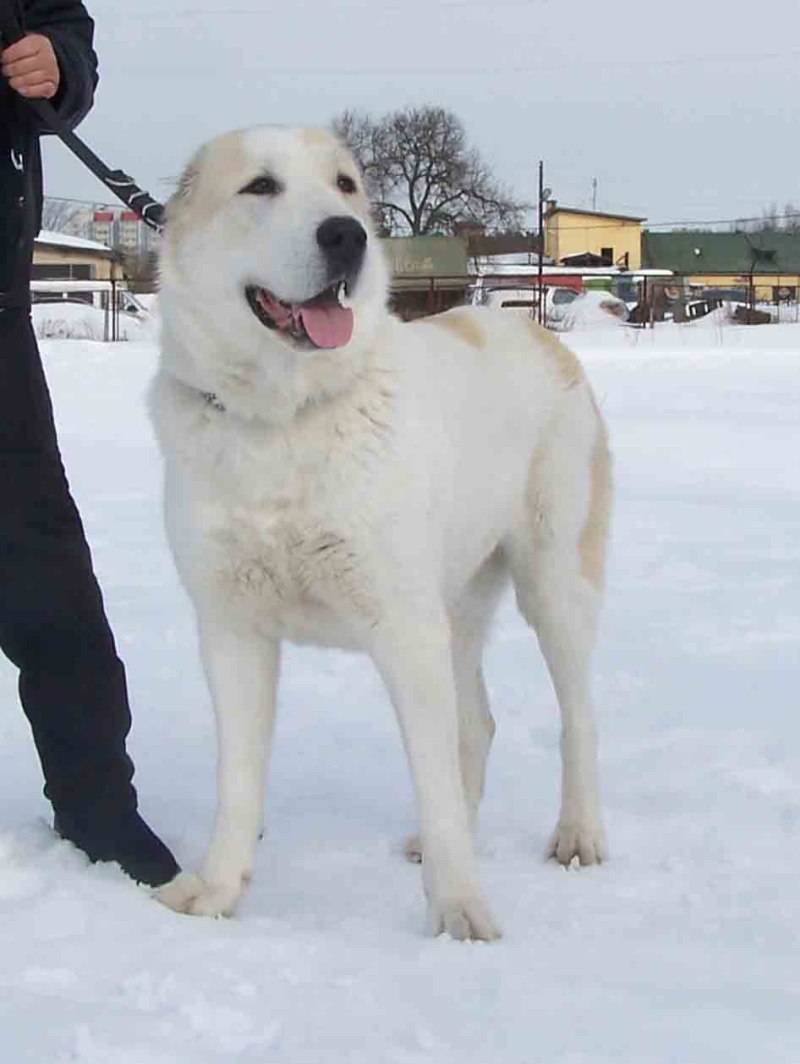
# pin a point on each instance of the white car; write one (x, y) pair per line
(564, 308)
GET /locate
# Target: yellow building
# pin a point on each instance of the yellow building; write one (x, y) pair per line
(59, 257)
(592, 238)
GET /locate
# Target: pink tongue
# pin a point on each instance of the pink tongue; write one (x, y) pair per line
(327, 326)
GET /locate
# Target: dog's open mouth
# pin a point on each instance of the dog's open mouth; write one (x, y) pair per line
(325, 321)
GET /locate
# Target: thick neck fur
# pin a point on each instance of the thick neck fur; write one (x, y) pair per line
(262, 455)
(261, 379)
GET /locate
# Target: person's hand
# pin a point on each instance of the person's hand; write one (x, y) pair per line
(31, 67)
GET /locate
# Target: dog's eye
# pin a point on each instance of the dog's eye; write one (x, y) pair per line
(346, 184)
(266, 185)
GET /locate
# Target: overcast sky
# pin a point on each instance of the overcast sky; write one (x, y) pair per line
(686, 109)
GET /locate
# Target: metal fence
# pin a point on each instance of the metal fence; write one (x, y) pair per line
(758, 300)
(111, 297)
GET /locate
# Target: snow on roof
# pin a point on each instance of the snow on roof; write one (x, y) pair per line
(557, 208)
(509, 258)
(62, 240)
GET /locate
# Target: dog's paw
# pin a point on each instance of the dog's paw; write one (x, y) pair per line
(468, 919)
(412, 849)
(190, 894)
(582, 839)
(218, 899)
(180, 892)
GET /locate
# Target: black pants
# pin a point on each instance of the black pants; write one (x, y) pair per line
(53, 626)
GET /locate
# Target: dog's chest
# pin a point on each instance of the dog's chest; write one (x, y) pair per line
(281, 526)
(293, 569)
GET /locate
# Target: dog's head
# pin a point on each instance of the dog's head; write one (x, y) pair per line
(270, 250)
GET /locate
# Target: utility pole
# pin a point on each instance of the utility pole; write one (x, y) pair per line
(540, 301)
(594, 193)
(540, 271)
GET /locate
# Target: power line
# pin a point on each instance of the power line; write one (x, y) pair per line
(483, 69)
(398, 5)
(686, 223)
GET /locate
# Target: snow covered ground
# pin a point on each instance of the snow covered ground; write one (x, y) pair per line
(66, 320)
(683, 949)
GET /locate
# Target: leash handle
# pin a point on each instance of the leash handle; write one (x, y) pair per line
(118, 182)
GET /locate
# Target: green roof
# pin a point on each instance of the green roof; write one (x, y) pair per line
(734, 253)
(427, 256)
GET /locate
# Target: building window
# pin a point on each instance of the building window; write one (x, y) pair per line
(607, 254)
(60, 271)
(563, 295)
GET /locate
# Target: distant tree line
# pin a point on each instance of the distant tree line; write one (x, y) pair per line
(771, 220)
(59, 214)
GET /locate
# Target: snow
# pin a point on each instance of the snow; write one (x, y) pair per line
(73, 320)
(589, 310)
(682, 949)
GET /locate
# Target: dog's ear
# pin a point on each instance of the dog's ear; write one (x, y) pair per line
(188, 180)
(182, 196)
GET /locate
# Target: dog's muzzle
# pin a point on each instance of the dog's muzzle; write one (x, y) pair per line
(326, 321)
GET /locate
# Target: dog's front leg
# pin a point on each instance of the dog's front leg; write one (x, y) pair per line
(415, 660)
(242, 673)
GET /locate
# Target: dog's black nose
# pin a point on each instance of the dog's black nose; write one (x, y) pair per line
(343, 241)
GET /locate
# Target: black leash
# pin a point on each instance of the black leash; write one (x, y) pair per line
(117, 181)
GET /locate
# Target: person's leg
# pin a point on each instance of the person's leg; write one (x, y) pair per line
(54, 629)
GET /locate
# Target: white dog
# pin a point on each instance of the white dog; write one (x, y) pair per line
(336, 477)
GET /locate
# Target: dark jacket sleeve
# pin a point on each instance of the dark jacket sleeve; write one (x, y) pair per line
(70, 30)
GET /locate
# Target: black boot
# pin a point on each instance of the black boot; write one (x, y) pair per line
(127, 840)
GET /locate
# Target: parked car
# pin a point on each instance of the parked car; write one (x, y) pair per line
(564, 308)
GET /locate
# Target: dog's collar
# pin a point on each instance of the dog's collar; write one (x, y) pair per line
(212, 401)
(209, 399)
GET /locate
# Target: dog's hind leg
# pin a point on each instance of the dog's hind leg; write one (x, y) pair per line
(557, 558)
(242, 673)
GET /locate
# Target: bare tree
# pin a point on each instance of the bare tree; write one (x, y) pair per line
(57, 214)
(791, 218)
(141, 270)
(771, 220)
(422, 175)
